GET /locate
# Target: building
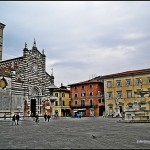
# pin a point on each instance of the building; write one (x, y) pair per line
(62, 103)
(2, 26)
(27, 83)
(122, 88)
(87, 98)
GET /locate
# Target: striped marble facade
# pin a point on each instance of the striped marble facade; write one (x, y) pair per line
(27, 79)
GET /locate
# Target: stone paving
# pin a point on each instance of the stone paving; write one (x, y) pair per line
(74, 133)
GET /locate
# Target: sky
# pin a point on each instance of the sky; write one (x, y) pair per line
(81, 39)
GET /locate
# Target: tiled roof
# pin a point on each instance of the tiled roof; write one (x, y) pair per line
(63, 90)
(127, 73)
(86, 82)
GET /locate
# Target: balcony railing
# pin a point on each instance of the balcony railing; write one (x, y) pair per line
(84, 106)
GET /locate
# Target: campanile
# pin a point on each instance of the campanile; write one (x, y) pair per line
(1, 40)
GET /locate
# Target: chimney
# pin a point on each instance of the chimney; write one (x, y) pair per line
(1, 40)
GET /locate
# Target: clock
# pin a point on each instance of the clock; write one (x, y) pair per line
(35, 68)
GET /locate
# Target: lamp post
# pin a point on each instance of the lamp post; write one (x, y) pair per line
(52, 97)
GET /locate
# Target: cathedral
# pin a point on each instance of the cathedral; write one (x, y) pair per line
(24, 82)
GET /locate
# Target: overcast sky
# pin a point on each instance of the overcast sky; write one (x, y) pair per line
(81, 39)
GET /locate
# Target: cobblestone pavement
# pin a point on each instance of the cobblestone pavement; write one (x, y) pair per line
(74, 133)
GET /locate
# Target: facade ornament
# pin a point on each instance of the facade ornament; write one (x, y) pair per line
(12, 65)
(25, 45)
(43, 51)
(52, 72)
(34, 43)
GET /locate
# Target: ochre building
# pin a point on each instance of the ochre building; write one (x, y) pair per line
(124, 86)
(62, 103)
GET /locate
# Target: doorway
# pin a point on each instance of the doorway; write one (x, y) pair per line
(101, 110)
(120, 109)
(33, 107)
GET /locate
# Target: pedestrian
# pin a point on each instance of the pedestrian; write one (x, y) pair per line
(45, 116)
(48, 117)
(13, 120)
(17, 118)
(5, 116)
(123, 115)
(55, 116)
(37, 118)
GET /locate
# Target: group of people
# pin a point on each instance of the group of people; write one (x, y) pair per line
(15, 119)
(47, 117)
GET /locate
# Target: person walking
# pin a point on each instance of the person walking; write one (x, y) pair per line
(5, 116)
(48, 117)
(13, 120)
(17, 118)
(37, 118)
(45, 116)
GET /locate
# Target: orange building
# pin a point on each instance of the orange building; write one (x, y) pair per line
(87, 98)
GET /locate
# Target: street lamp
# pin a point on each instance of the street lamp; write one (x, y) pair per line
(52, 97)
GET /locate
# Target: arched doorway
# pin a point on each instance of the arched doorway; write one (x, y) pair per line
(33, 107)
(34, 100)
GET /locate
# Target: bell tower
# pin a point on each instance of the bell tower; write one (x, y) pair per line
(1, 40)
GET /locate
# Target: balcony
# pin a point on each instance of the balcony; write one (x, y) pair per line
(84, 106)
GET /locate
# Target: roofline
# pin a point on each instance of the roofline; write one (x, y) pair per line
(11, 59)
(127, 73)
(86, 82)
(64, 90)
(2, 24)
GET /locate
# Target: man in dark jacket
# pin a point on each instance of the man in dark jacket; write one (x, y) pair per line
(13, 120)
(17, 118)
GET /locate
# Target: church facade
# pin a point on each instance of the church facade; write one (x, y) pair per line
(24, 83)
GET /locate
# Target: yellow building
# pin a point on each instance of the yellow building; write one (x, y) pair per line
(62, 103)
(124, 87)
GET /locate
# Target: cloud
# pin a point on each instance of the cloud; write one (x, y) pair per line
(80, 38)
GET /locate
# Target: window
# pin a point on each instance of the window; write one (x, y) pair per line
(138, 81)
(75, 87)
(82, 94)
(135, 103)
(149, 91)
(63, 94)
(90, 85)
(128, 82)
(82, 86)
(101, 100)
(129, 94)
(75, 102)
(56, 94)
(56, 103)
(91, 93)
(82, 102)
(148, 80)
(110, 95)
(118, 83)
(63, 103)
(69, 103)
(109, 84)
(91, 102)
(119, 94)
(75, 95)
(130, 106)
